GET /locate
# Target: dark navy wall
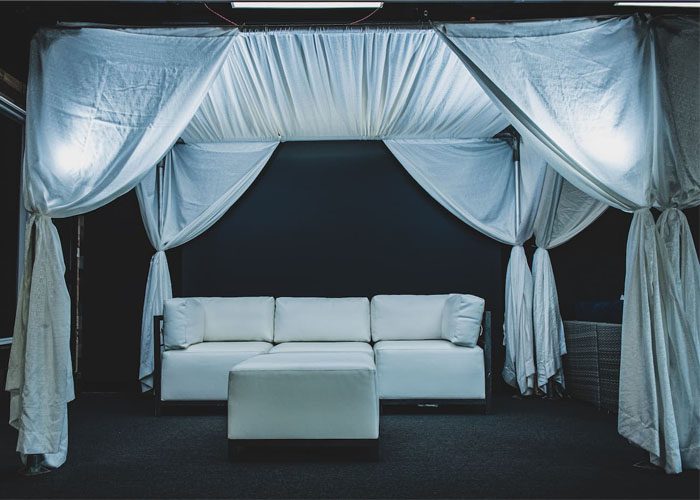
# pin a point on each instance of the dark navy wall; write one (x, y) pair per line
(11, 143)
(340, 219)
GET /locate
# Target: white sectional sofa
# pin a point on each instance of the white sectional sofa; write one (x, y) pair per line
(423, 346)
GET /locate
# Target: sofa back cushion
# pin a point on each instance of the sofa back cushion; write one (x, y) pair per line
(461, 319)
(310, 319)
(238, 318)
(407, 317)
(183, 322)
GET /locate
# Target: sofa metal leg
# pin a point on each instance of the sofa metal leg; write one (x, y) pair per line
(34, 466)
(235, 451)
(374, 451)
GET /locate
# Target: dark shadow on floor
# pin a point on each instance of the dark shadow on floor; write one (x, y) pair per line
(524, 448)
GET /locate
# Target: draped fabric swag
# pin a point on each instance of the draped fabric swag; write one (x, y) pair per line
(198, 184)
(101, 110)
(613, 133)
(564, 211)
(603, 123)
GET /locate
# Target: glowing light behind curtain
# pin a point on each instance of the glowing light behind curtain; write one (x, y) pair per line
(603, 130)
(102, 107)
(316, 84)
(200, 183)
(578, 90)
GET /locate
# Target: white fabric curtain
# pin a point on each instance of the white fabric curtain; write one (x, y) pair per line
(199, 183)
(480, 183)
(676, 184)
(580, 91)
(563, 212)
(606, 131)
(339, 83)
(102, 107)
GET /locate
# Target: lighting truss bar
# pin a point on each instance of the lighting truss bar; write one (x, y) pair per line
(307, 5)
(11, 109)
(677, 5)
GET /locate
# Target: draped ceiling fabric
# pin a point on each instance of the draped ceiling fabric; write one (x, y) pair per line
(197, 186)
(610, 127)
(321, 84)
(579, 90)
(102, 107)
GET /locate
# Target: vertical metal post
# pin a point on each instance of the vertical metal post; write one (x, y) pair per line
(488, 360)
(160, 180)
(157, 321)
(33, 466)
(157, 340)
(516, 162)
(76, 266)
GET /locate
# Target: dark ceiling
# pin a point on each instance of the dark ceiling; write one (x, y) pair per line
(19, 20)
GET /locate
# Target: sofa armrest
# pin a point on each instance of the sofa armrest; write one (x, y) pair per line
(485, 342)
(157, 346)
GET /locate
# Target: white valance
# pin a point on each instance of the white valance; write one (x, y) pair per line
(326, 83)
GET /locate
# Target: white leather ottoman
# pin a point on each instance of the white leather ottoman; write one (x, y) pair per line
(303, 398)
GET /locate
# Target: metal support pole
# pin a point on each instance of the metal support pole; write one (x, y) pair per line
(516, 162)
(34, 466)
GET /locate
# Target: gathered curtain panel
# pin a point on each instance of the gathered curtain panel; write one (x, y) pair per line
(480, 183)
(103, 106)
(563, 212)
(196, 187)
(613, 133)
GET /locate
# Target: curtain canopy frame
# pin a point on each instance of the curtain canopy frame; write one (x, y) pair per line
(129, 158)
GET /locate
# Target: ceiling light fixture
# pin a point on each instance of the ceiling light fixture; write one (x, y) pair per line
(307, 5)
(681, 5)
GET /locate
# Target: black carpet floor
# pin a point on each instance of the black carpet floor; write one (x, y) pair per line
(525, 448)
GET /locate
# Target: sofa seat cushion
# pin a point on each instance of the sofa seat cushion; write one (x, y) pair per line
(323, 347)
(429, 369)
(200, 372)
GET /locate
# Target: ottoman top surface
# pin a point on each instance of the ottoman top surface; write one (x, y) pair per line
(307, 361)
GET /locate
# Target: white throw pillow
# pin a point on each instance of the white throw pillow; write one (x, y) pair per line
(183, 323)
(461, 319)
